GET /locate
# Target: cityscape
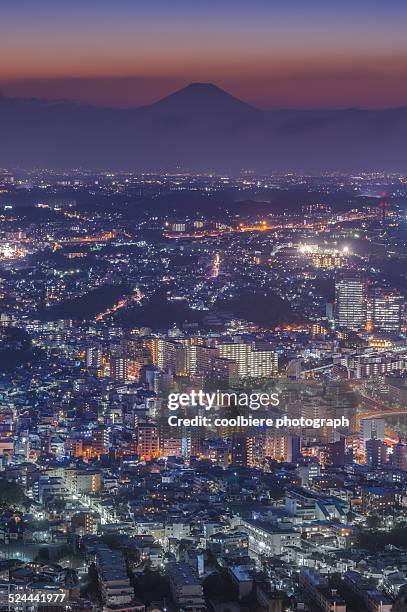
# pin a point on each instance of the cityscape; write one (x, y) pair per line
(203, 306)
(123, 293)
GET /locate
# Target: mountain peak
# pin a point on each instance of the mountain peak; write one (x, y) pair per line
(204, 89)
(202, 86)
(202, 98)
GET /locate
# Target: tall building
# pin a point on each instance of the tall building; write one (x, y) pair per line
(251, 361)
(170, 441)
(240, 449)
(239, 353)
(400, 456)
(147, 440)
(168, 355)
(388, 311)
(282, 446)
(376, 453)
(100, 441)
(119, 367)
(93, 357)
(292, 448)
(294, 369)
(162, 383)
(138, 353)
(263, 363)
(350, 302)
(372, 428)
(336, 453)
(198, 358)
(224, 371)
(205, 360)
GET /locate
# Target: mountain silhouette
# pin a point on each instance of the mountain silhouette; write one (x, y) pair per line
(202, 99)
(199, 128)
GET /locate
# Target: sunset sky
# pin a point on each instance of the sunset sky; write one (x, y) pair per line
(270, 53)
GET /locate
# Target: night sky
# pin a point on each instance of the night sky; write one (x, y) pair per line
(271, 53)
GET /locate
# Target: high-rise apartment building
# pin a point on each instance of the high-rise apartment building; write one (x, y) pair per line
(168, 355)
(242, 449)
(147, 440)
(350, 302)
(372, 428)
(388, 310)
(251, 361)
(399, 458)
(239, 353)
(376, 453)
(100, 441)
(119, 368)
(93, 357)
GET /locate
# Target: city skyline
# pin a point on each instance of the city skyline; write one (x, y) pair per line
(203, 391)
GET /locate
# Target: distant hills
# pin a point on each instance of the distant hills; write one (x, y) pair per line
(199, 128)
